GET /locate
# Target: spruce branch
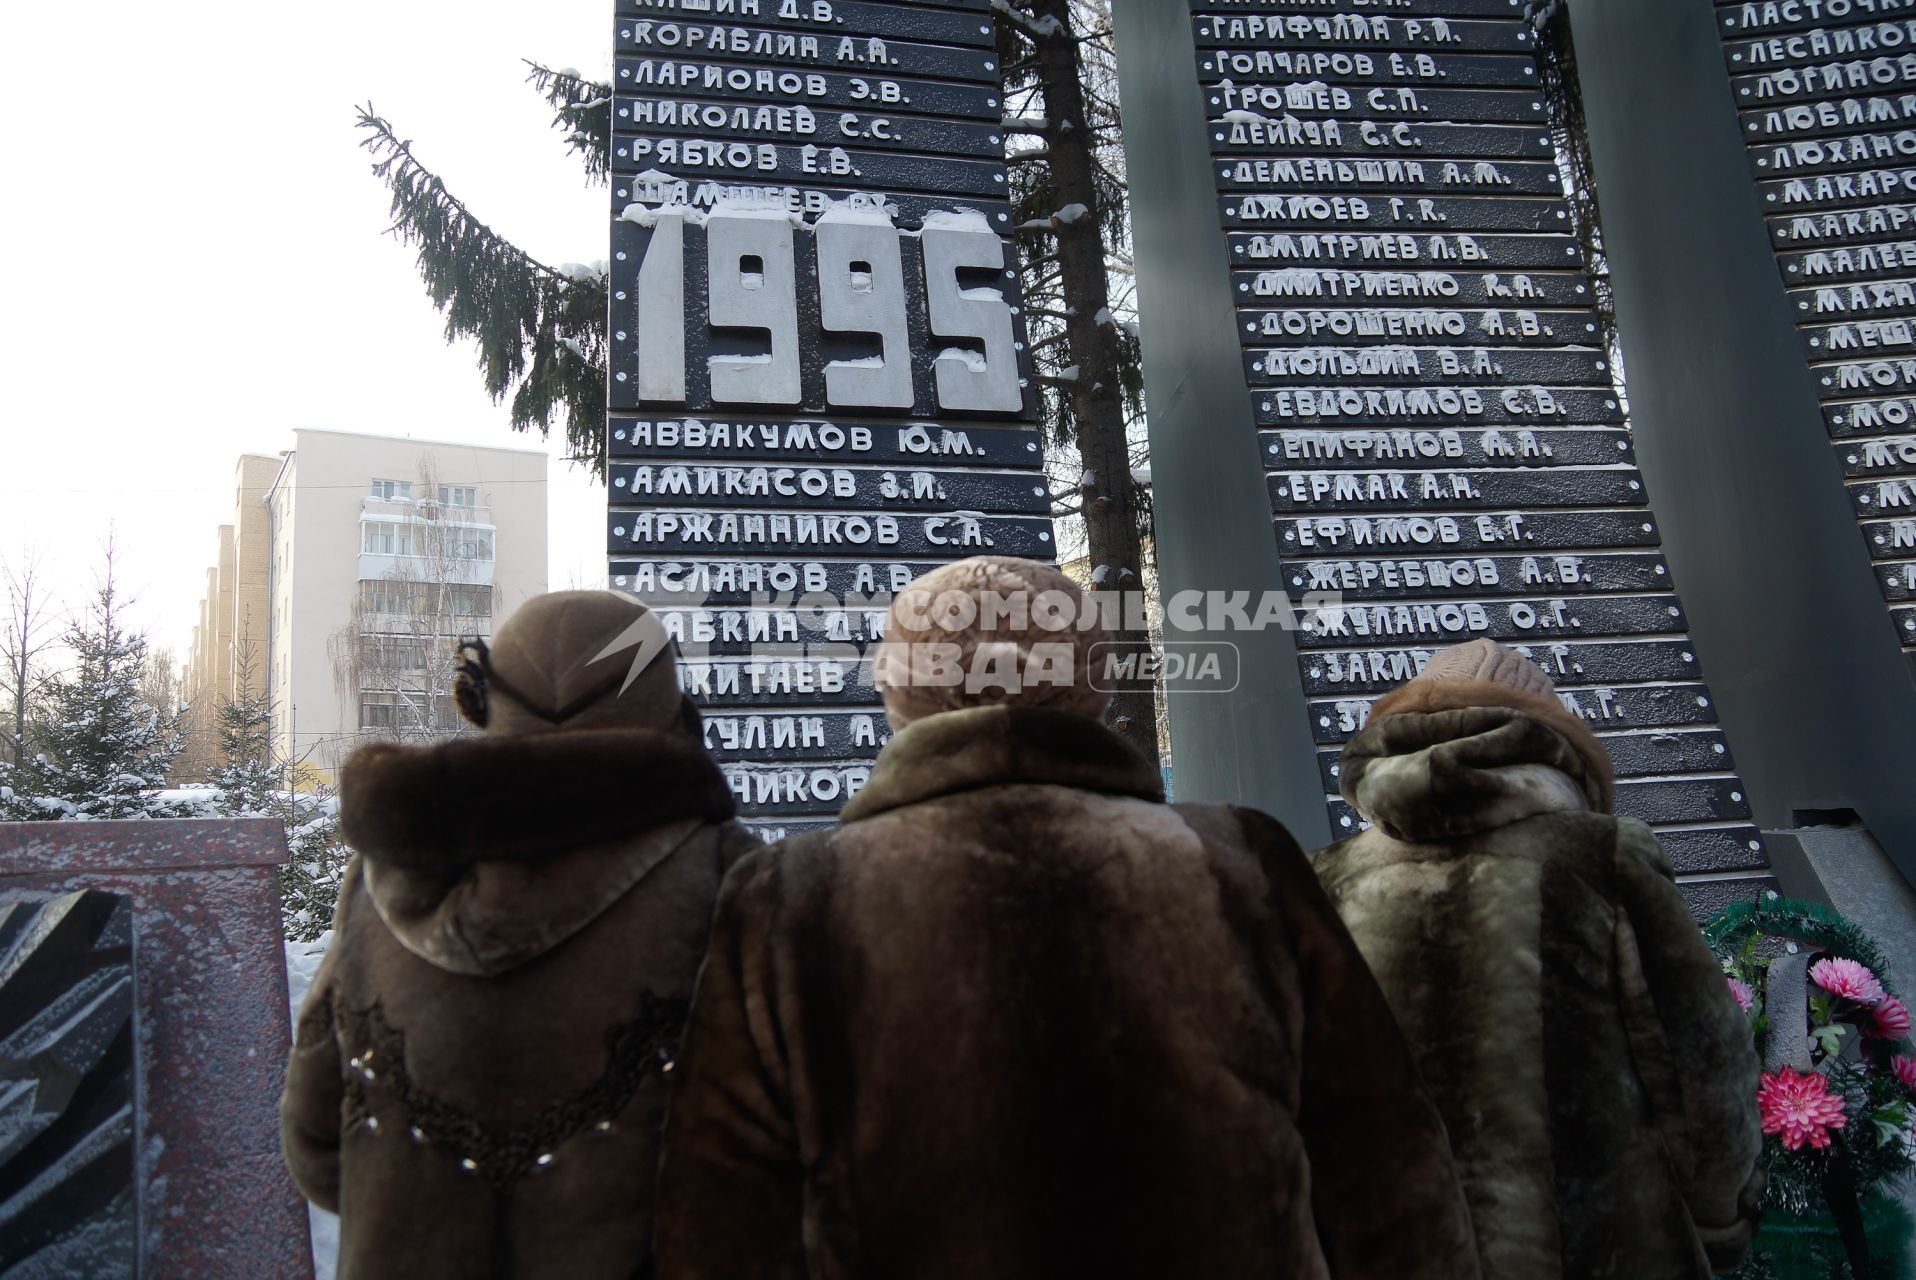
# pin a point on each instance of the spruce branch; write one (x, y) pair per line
(582, 111)
(540, 330)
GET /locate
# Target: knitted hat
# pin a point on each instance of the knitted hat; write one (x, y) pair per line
(1488, 660)
(565, 660)
(984, 631)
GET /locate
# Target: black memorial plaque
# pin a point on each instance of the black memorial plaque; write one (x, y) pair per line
(1833, 155)
(1235, 131)
(853, 55)
(1405, 250)
(1388, 578)
(1571, 663)
(1820, 79)
(1862, 298)
(1477, 405)
(1304, 448)
(802, 681)
(1637, 706)
(1838, 190)
(821, 125)
(1827, 90)
(639, 193)
(1314, 211)
(1348, 531)
(1747, 17)
(802, 733)
(921, 443)
(1449, 8)
(1879, 457)
(1457, 490)
(1843, 226)
(1442, 436)
(1844, 264)
(819, 381)
(1279, 30)
(826, 488)
(673, 79)
(959, 23)
(1411, 329)
(744, 581)
(1398, 365)
(1891, 539)
(1339, 66)
(1878, 417)
(1825, 117)
(769, 162)
(1647, 755)
(678, 531)
(1318, 100)
(1385, 286)
(1448, 621)
(1408, 177)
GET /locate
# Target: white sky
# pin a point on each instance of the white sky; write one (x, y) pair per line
(195, 260)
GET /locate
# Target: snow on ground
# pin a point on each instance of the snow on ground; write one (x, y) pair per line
(302, 962)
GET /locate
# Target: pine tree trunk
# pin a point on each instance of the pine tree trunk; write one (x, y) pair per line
(1111, 516)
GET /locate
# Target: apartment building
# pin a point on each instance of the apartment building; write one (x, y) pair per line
(227, 661)
(375, 556)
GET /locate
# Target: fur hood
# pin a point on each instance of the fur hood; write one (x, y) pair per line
(484, 852)
(1445, 758)
(976, 747)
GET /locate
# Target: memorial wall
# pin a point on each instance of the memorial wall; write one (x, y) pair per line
(819, 383)
(1826, 92)
(1442, 436)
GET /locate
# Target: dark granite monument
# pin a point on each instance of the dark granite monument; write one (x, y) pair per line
(143, 1030)
(820, 388)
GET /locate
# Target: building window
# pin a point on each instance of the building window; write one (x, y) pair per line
(467, 602)
(387, 596)
(391, 655)
(467, 545)
(459, 495)
(384, 538)
(393, 490)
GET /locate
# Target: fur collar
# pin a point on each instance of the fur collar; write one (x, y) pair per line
(483, 853)
(1442, 758)
(993, 746)
(532, 796)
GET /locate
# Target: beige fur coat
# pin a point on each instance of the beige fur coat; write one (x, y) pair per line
(1597, 1078)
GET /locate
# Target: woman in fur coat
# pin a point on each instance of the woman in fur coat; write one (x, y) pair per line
(479, 1075)
(1018, 1019)
(1596, 1076)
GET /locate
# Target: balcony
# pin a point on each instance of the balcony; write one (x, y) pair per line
(424, 540)
(374, 567)
(425, 511)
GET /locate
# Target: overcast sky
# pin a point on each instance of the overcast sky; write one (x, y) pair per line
(195, 261)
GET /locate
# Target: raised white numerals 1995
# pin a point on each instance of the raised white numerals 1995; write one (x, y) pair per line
(752, 285)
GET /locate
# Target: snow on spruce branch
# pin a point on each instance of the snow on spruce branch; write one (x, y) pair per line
(1035, 28)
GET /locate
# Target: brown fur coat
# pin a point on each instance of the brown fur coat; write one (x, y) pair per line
(478, 1080)
(1016, 1018)
(1596, 1076)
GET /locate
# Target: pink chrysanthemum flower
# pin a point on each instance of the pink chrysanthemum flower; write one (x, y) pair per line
(1888, 1020)
(1905, 1071)
(1745, 995)
(1848, 979)
(1800, 1108)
